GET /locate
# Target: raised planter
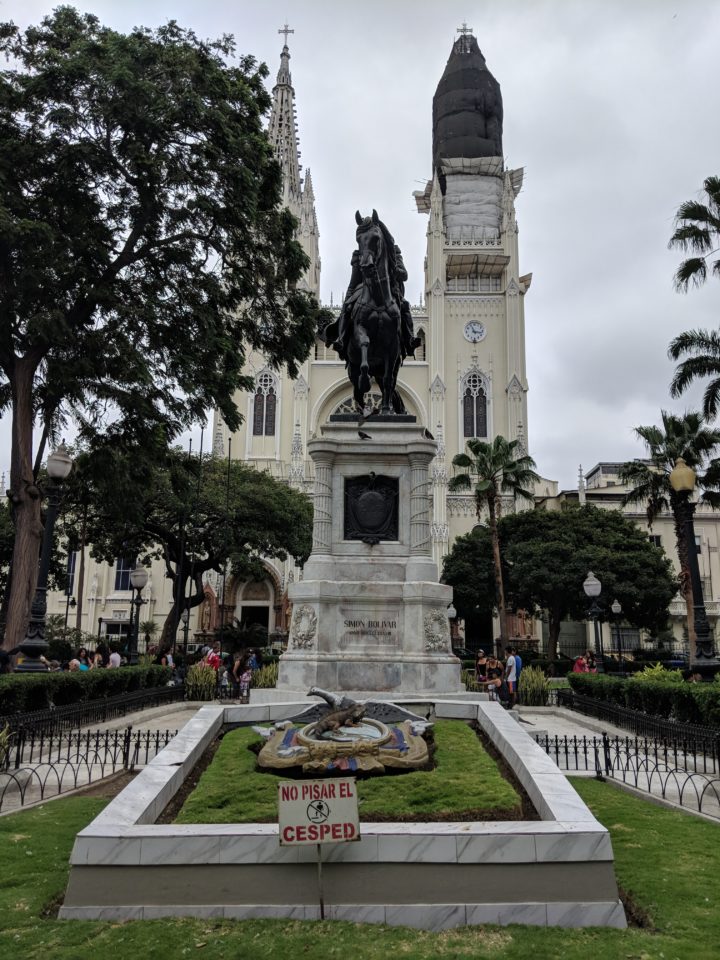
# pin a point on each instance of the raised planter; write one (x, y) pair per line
(555, 871)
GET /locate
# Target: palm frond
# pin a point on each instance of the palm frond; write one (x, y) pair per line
(460, 482)
(690, 236)
(711, 186)
(695, 342)
(692, 270)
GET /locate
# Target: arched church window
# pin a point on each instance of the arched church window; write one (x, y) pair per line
(264, 405)
(421, 352)
(474, 401)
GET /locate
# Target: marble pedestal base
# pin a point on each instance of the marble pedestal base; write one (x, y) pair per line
(369, 613)
(389, 637)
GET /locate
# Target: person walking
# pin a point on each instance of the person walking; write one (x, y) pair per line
(518, 671)
(511, 675)
(481, 667)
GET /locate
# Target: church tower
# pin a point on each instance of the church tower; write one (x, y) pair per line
(474, 290)
(298, 196)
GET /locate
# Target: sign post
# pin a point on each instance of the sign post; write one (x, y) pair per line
(317, 812)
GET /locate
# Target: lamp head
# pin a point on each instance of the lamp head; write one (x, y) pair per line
(138, 577)
(59, 463)
(682, 477)
(616, 607)
(592, 585)
(185, 615)
(452, 612)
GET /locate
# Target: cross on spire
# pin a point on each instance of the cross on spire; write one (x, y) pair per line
(464, 29)
(286, 30)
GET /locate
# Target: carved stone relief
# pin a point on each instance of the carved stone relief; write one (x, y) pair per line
(437, 630)
(304, 627)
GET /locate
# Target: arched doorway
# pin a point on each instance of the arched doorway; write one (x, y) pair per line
(255, 604)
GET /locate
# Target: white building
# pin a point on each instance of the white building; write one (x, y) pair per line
(468, 378)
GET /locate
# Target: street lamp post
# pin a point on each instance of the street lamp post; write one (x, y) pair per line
(616, 608)
(593, 589)
(452, 622)
(59, 465)
(138, 579)
(185, 617)
(702, 659)
(70, 602)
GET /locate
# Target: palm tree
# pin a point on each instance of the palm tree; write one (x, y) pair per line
(491, 469)
(702, 349)
(697, 230)
(685, 436)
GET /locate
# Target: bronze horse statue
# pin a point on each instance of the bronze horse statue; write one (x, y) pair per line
(370, 332)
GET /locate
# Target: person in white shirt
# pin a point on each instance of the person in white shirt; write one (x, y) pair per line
(114, 659)
(511, 675)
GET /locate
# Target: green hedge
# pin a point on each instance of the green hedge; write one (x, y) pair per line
(684, 702)
(23, 693)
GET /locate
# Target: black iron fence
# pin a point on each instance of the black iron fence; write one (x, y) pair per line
(35, 766)
(685, 772)
(640, 724)
(56, 719)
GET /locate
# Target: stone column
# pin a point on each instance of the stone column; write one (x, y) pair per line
(419, 505)
(322, 521)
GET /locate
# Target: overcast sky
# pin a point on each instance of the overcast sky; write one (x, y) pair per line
(611, 108)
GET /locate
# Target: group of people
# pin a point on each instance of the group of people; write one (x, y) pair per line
(83, 659)
(500, 678)
(585, 663)
(234, 673)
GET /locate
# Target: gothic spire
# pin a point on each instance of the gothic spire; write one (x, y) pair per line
(282, 130)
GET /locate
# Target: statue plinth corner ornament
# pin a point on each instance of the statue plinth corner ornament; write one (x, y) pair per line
(437, 630)
(304, 627)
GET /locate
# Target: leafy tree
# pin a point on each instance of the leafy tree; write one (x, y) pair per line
(697, 231)
(143, 249)
(491, 470)
(470, 570)
(196, 514)
(689, 437)
(547, 555)
(701, 348)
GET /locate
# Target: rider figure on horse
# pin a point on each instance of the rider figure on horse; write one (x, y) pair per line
(336, 333)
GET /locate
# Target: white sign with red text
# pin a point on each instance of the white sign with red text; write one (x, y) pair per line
(318, 811)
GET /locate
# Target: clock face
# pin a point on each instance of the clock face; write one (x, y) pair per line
(475, 331)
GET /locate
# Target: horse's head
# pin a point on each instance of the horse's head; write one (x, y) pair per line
(371, 241)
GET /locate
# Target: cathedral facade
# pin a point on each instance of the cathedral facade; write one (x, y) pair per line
(467, 378)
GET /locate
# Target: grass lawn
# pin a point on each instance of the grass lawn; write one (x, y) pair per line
(465, 779)
(668, 860)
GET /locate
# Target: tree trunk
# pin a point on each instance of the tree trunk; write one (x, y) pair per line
(553, 635)
(81, 572)
(26, 505)
(497, 567)
(173, 620)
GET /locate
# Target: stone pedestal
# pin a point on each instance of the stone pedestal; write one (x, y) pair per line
(369, 613)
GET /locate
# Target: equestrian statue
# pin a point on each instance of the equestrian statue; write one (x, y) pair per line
(374, 331)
